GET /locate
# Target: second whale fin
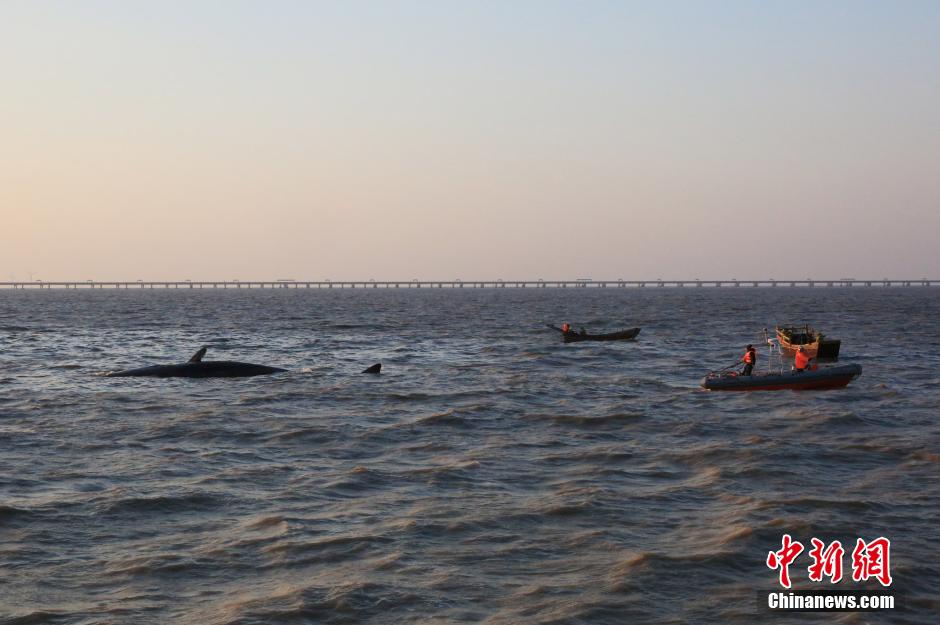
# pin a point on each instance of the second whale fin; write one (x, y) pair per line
(197, 357)
(376, 368)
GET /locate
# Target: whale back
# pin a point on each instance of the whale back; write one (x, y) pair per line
(201, 369)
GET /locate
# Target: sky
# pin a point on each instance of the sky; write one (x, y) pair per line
(516, 139)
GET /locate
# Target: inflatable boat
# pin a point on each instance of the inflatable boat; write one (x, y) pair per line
(821, 378)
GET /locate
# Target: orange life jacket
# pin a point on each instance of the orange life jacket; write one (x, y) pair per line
(801, 360)
(748, 357)
(565, 327)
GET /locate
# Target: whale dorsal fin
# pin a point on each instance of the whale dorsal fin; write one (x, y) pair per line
(376, 368)
(197, 357)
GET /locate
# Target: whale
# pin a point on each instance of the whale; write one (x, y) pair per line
(376, 368)
(196, 367)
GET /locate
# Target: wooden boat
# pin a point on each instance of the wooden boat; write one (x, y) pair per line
(822, 378)
(576, 337)
(814, 343)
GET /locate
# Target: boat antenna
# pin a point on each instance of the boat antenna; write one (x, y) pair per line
(772, 347)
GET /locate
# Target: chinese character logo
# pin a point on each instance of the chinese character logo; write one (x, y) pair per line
(782, 559)
(869, 560)
(826, 562)
(872, 560)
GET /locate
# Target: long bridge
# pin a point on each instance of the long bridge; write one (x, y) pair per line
(581, 283)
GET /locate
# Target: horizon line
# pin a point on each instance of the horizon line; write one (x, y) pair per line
(460, 283)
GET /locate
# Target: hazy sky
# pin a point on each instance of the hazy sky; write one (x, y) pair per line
(387, 139)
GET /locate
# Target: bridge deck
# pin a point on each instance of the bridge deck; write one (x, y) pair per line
(457, 284)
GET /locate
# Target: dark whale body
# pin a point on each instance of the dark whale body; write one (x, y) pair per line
(196, 368)
(210, 369)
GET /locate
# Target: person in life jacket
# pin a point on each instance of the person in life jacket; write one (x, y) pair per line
(801, 360)
(565, 327)
(749, 359)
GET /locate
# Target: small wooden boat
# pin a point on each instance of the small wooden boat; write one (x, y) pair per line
(822, 378)
(576, 337)
(814, 343)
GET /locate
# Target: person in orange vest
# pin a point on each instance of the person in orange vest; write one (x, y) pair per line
(749, 359)
(565, 327)
(801, 360)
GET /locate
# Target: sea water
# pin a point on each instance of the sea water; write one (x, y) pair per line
(489, 474)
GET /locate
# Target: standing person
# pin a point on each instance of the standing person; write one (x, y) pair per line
(801, 360)
(749, 359)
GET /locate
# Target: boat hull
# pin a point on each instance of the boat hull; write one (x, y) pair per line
(623, 335)
(830, 377)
